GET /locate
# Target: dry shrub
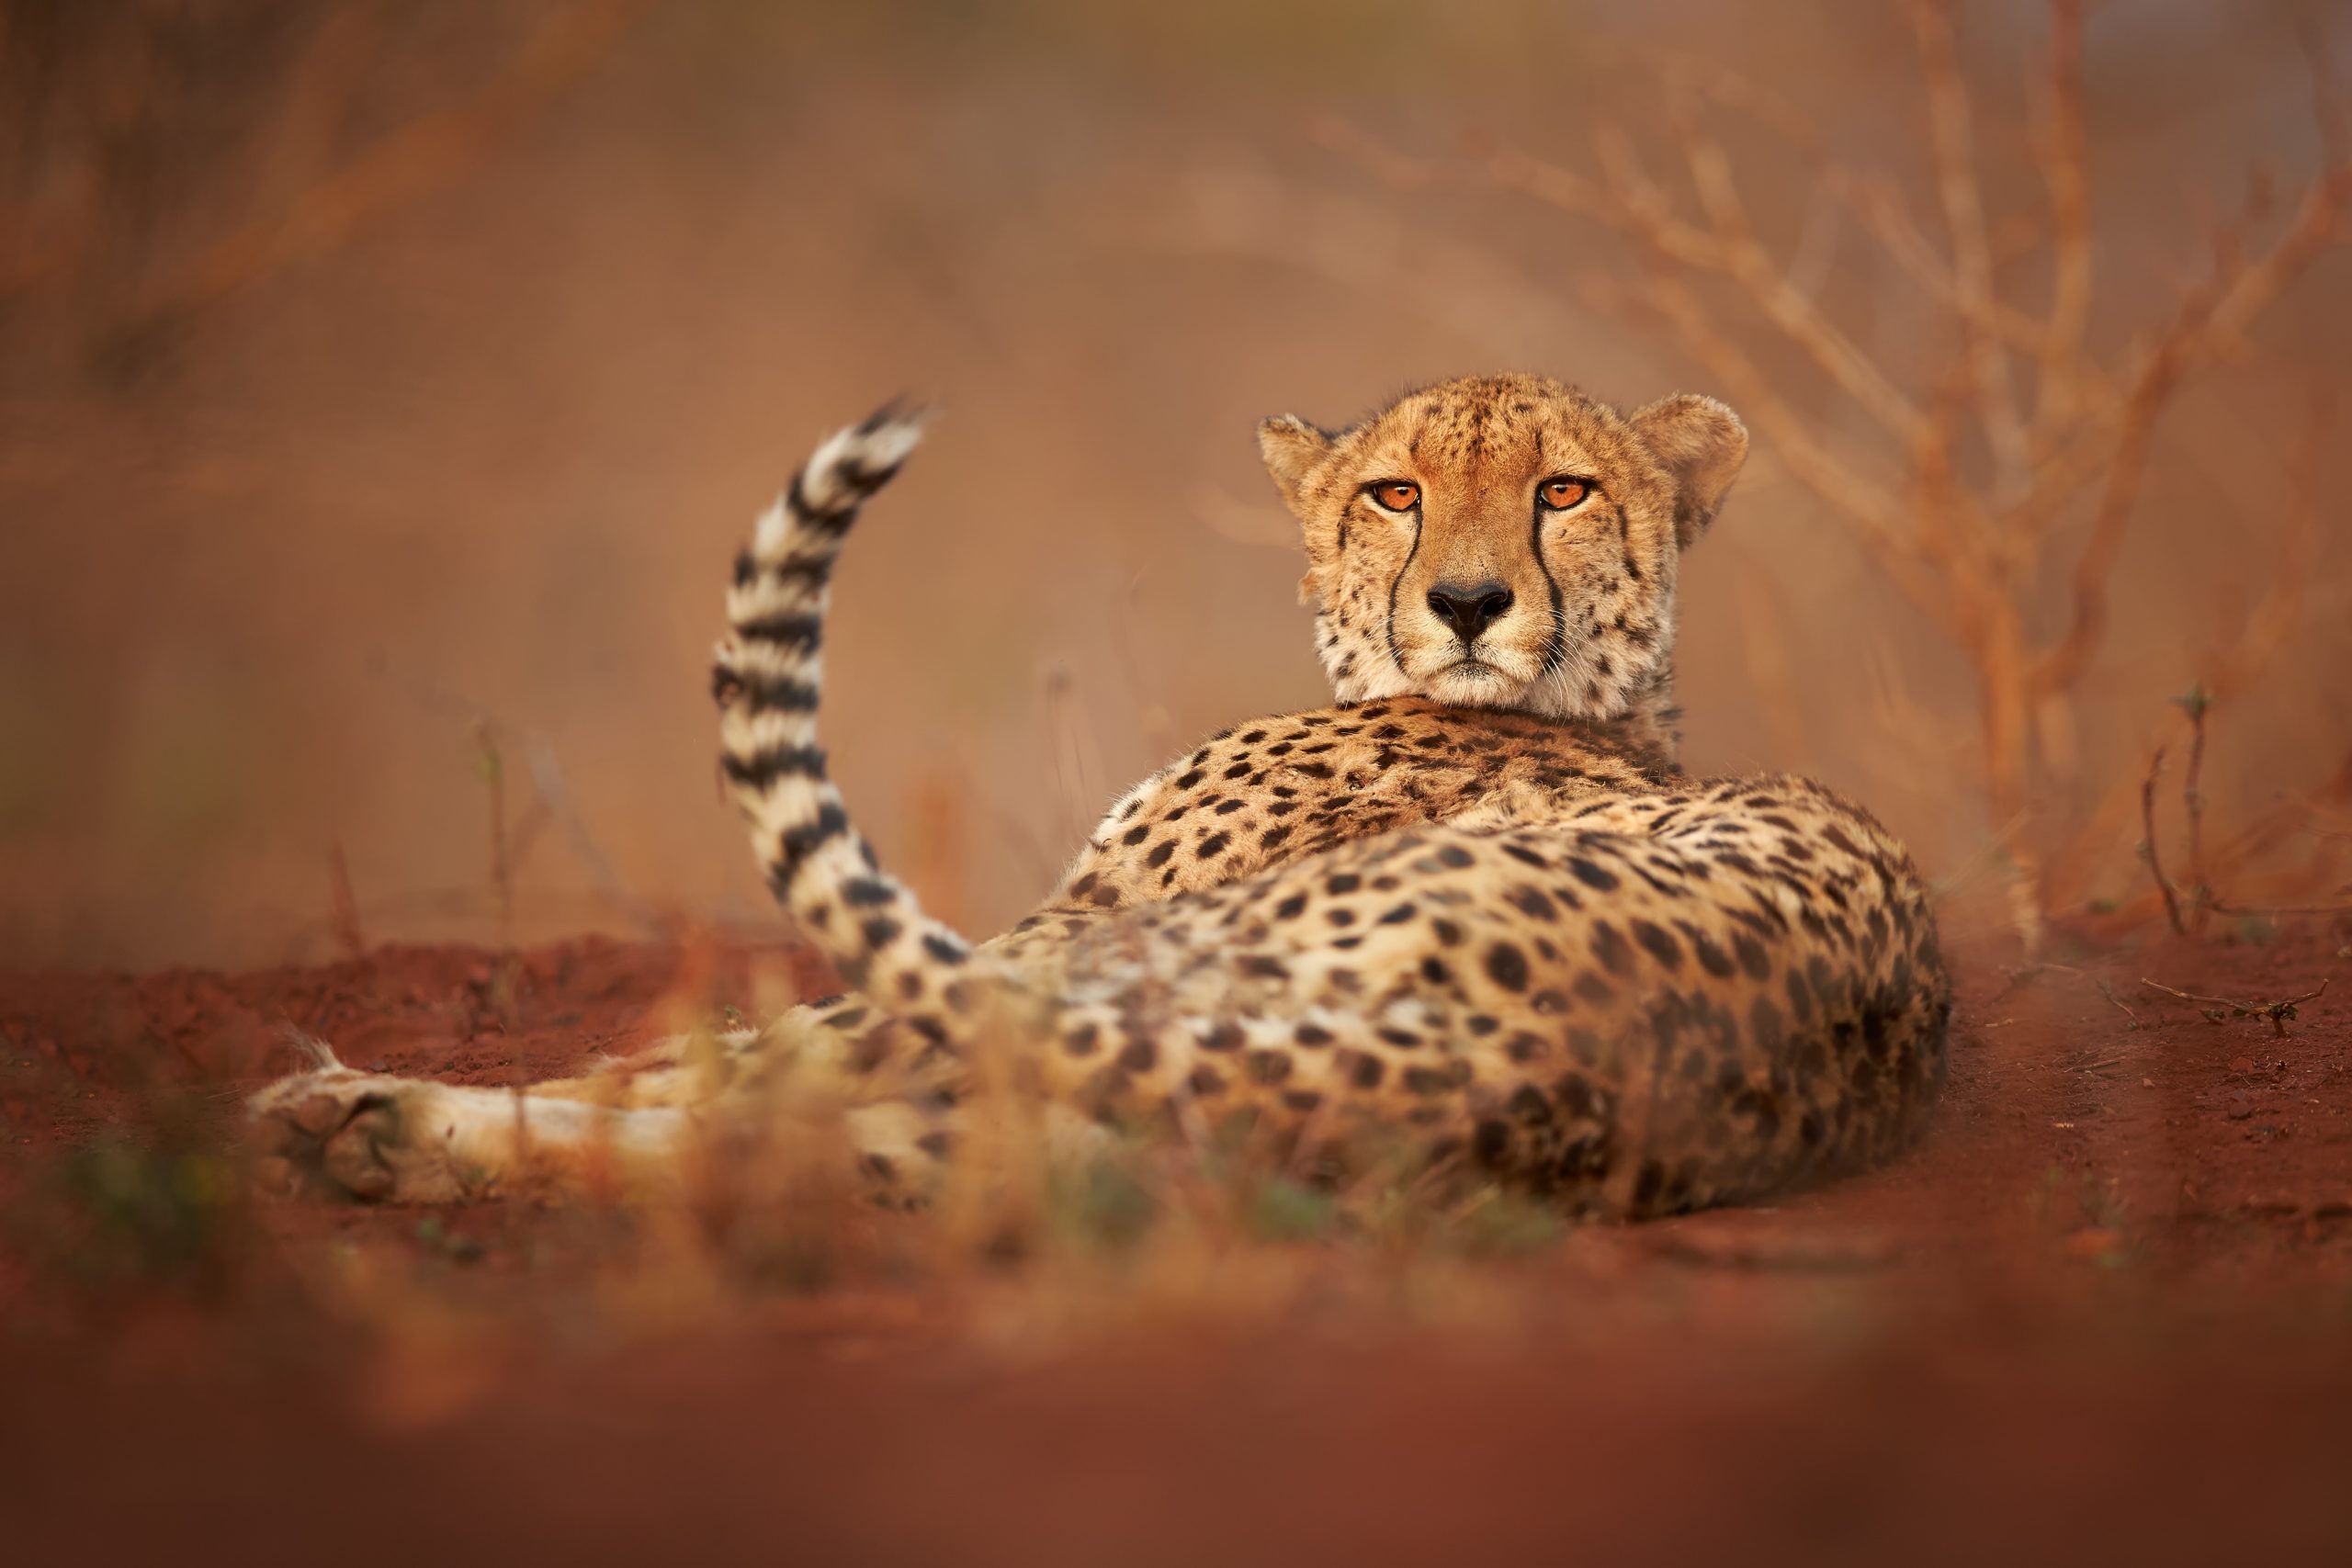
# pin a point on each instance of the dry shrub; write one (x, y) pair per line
(2000, 470)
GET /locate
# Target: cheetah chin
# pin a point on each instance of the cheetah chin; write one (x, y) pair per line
(1478, 912)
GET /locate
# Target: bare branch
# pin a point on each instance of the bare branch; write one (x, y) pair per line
(2064, 663)
(2062, 171)
(1876, 510)
(1951, 139)
(1628, 202)
(2228, 671)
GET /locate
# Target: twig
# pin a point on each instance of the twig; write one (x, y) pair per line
(2278, 1012)
(2194, 702)
(2261, 910)
(2109, 992)
(2148, 844)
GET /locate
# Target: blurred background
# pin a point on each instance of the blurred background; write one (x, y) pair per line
(384, 386)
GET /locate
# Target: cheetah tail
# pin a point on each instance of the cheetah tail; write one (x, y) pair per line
(766, 681)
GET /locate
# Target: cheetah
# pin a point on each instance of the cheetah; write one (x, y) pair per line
(1473, 906)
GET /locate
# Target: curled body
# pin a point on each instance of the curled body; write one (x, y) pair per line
(1474, 908)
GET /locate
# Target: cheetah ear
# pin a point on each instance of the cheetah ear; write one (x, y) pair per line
(1703, 443)
(1292, 448)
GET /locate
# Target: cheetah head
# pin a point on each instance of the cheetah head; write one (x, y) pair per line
(1503, 541)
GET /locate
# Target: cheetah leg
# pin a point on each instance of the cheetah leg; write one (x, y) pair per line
(635, 1126)
(398, 1140)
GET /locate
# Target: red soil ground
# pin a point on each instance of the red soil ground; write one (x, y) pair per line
(2104, 1314)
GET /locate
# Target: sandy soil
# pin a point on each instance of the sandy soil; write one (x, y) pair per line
(2104, 1314)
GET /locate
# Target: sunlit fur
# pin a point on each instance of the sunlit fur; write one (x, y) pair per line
(1589, 631)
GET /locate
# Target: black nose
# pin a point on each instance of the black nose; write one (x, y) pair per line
(1472, 610)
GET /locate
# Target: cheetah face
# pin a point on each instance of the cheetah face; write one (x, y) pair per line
(1503, 541)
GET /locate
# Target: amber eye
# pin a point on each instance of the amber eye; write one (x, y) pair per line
(1562, 492)
(1396, 495)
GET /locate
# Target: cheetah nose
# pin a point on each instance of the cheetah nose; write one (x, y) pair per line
(1472, 610)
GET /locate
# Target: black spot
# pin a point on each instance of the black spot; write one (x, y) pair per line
(1311, 1034)
(1212, 846)
(1428, 1081)
(1659, 942)
(1159, 853)
(881, 931)
(1507, 967)
(867, 891)
(1397, 916)
(1532, 902)
(1593, 876)
(1365, 1070)
(1083, 1041)
(1491, 1140)
(1139, 1055)
(1752, 956)
(1342, 881)
(1456, 856)
(1800, 996)
(1267, 1066)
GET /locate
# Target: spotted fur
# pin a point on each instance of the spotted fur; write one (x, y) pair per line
(1475, 906)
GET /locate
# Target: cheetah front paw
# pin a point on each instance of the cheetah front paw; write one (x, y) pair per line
(363, 1135)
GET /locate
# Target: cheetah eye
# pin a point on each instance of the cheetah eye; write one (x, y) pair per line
(1396, 495)
(1563, 491)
